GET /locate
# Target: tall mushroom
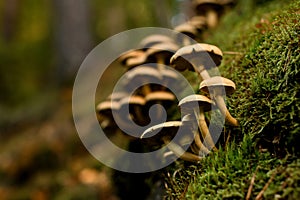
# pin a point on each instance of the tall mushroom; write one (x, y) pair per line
(198, 57)
(142, 76)
(217, 87)
(151, 40)
(132, 58)
(161, 53)
(190, 31)
(135, 105)
(191, 105)
(210, 9)
(164, 98)
(163, 134)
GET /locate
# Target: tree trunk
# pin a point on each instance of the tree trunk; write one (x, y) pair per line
(72, 36)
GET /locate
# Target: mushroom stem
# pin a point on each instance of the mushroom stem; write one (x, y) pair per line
(199, 143)
(205, 131)
(222, 106)
(201, 71)
(212, 18)
(178, 151)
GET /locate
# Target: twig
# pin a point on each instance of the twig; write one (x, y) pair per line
(260, 194)
(251, 184)
(232, 53)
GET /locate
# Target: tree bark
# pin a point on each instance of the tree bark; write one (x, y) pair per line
(72, 35)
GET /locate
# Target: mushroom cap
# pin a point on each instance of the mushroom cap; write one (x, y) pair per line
(133, 100)
(116, 96)
(140, 76)
(193, 100)
(106, 108)
(199, 22)
(164, 130)
(169, 75)
(201, 5)
(217, 82)
(168, 130)
(155, 39)
(132, 58)
(166, 50)
(187, 29)
(162, 96)
(201, 53)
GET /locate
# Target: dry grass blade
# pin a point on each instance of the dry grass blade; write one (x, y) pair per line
(261, 193)
(251, 184)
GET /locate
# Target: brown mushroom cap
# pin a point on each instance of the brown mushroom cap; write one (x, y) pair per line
(105, 111)
(200, 53)
(187, 29)
(164, 50)
(201, 5)
(155, 39)
(160, 96)
(140, 76)
(106, 107)
(133, 58)
(191, 101)
(218, 82)
(116, 96)
(199, 22)
(133, 100)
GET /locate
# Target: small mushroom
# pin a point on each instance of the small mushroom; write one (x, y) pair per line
(217, 87)
(132, 58)
(163, 134)
(164, 98)
(116, 96)
(190, 31)
(135, 104)
(142, 76)
(105, 110)
(161, 53)
(151, 40)
(191, 105)
(199, 22)
(198, 57)
(210, 9)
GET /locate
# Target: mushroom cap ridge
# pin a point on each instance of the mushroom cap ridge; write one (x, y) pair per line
(218, 81)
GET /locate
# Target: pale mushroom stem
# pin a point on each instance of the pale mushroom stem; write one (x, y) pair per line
(199, 143)
(186, 41)
(146, 89)
(212, 18)
(222, 106)
(178, 151)
(202, 72)
(205, 131)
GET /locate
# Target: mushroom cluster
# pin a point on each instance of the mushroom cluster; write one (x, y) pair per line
(196, 140)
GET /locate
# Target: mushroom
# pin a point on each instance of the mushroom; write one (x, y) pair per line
(135, 104)
(210, 9)
(191, 105)
(199, 22)
(163, 134)
(189, 30)
(116, 96)
(105, 110)
(198, 57)
(132, 58)
(164, 98)
(142, 76)
(217, 87)
(161, 53)
(155, 39)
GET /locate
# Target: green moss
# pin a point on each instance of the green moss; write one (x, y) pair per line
(264, 39)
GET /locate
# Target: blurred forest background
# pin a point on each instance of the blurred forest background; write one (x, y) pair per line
(42, 45)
